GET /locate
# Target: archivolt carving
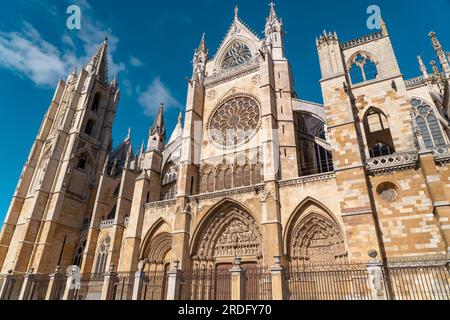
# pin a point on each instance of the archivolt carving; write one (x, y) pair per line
(159, 247)
(317, 239)
(231, 232)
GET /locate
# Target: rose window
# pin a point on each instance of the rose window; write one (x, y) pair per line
(235, 121)
(238, 54)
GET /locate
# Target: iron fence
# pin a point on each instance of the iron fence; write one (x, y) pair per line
(206, 284)
(154, 286)
(258, 283)
(327, 282)
(417, 281)
(123, 283)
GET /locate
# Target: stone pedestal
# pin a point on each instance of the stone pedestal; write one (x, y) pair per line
(237, 281)
(174, 283)
(52, 289)
(375, 278)
(278, 283)
(5, 287)
(27, 286)
(108, 284)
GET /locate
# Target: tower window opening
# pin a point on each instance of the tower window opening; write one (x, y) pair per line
(89, 127)
(362, 69)
(96, 103)
(378, 133)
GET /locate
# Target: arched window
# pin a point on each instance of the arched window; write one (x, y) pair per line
(82, 162)
(257, 175)
(220, 185)
(89, 127)
(314, 157)
(96, 103)
(378, 134)
(102, 256)
(238, 178)
(211, 182)
(204, 183)
(112, 213)
(247, 176)
(428, 124)
(362, 69)
(237, 54)
(79, 257)
(228, 179)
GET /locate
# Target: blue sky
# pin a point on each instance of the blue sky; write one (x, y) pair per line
(152, 45)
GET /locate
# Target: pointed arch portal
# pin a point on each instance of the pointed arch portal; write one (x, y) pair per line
(314, 237)
(229, 231)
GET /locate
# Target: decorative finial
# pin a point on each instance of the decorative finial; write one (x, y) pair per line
(236, 12)
(161, 106)
(435, 68)
(383, 27)
(422, 67)
(129, 134)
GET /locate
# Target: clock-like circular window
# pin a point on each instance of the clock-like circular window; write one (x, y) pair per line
(387, 191)
(235, 121)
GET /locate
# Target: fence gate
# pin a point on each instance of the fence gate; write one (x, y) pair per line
(327, 282)
(154, 286)
(257, 282)
(91, 287)
(207, 283)
(123, 286)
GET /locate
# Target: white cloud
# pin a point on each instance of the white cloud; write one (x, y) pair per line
(135, 62)
(156, 94)
(28, 54)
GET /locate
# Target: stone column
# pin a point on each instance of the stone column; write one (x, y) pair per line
(278, 283)
(138, 281)
(174, 282)
(108, 284)
(52, 288)
(237, 281)
(27, 286)
(375, 277)
(5, 287)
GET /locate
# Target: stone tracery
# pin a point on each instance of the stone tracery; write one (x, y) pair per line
(237, 54)
(235, 121)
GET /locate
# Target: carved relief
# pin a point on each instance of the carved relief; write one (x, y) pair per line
(230, 233)
(159, 247)
(317, 239)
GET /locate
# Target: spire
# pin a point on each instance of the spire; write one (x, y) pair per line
(199, 61)
(436, 71)
(99, 62)
(157, 134)
(128, 138)
(423, 67)
(158, 127)
(273, 23)
(105, 165)
(443, 60)
(129, 157)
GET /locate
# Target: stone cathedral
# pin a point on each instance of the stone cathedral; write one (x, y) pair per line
(250, 171)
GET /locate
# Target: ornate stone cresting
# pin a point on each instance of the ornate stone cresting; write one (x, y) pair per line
(362, 40)
(393, 162)
(327, 38)
(316, 239)
(231, 232)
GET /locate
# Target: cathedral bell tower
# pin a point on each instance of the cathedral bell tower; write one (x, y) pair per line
(56, 191)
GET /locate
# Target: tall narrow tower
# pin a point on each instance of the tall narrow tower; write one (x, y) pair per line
(57, 188)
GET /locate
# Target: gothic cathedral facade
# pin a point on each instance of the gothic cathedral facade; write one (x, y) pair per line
(252, 171)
